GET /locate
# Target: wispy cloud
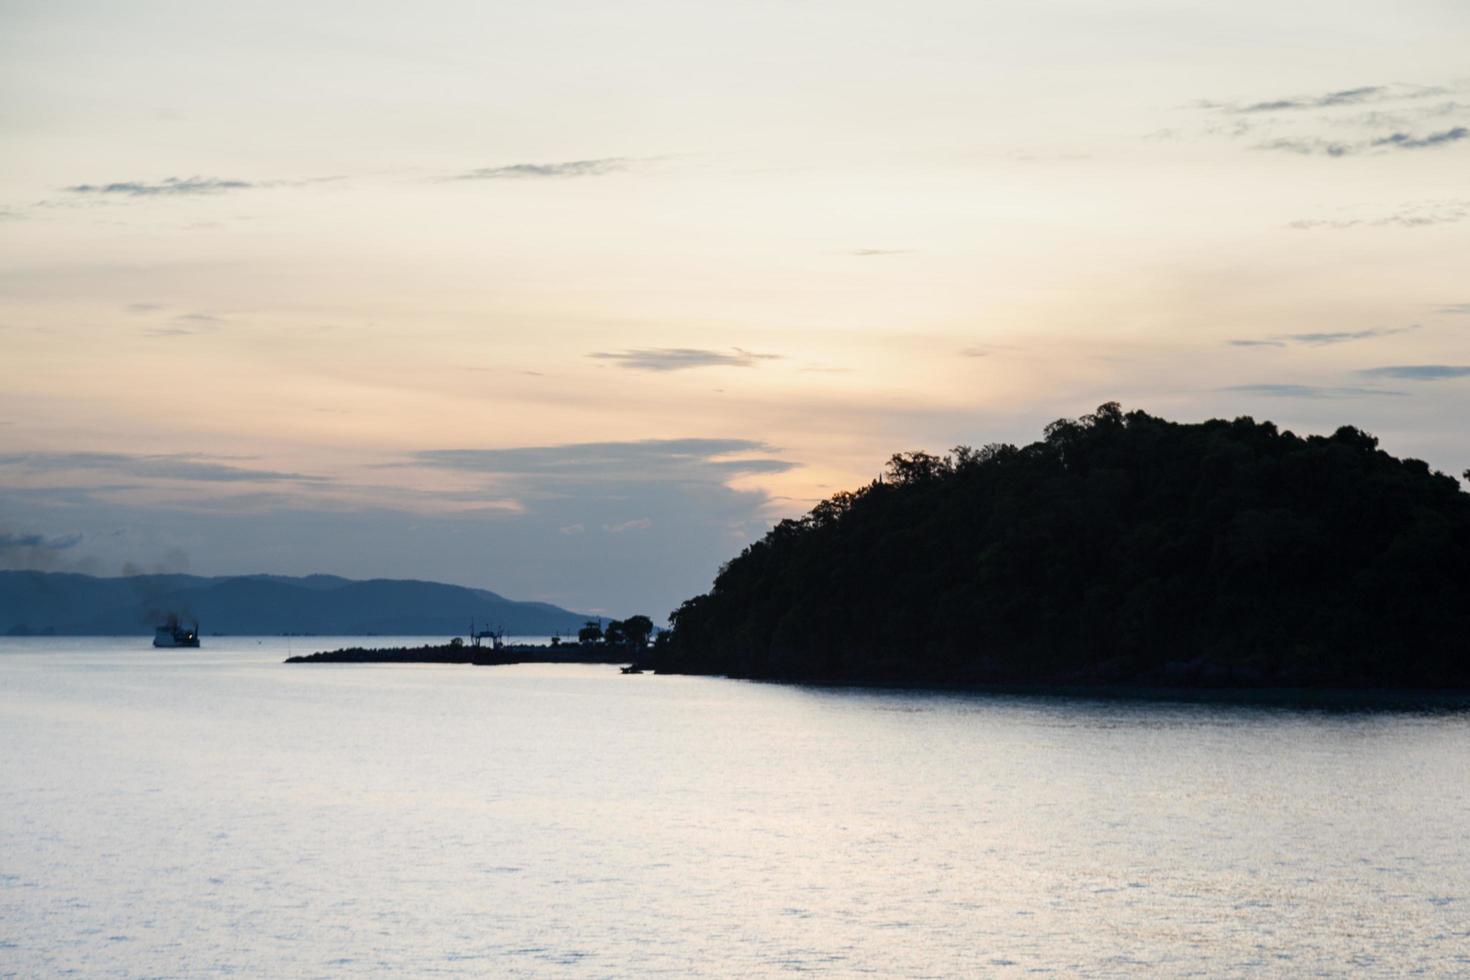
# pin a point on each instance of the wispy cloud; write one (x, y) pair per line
(1326, 338)
(1457, 309)
(1323, 338)
(570, 168)
(1420, 214)
(1347, 96)
(872, 252)
(1419, 372)
(1313, 146)
(1309, 147)
(637, 524)
(169, 186)
(1336, 124)
(187, 325)
(681, 358)
(707, 459)
(1359, 95)
(35, 551)
(192, 467)
(12, 542)
(1310, 391)
(1405, 141)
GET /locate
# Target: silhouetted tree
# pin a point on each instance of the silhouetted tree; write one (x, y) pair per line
(591, 632)
(615, 634)
(907, 468)
(637, 629)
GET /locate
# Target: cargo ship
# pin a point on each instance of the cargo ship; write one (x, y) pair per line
(173, 634)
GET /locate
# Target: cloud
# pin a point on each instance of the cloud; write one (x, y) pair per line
(1309, 224)
(1324, 338)
(169, 186)
(706, 460)
(571, 168)
(1418, 214)
(1457, 309)
(1347, 133)
(35, 551)
(1359, 95)
(870, 252)
(1419, 372)
(188, 325)
(1348, 96)
(188, 467)
(25, 542)
(1309, 391)
(638, 524)
(1314, 146)
(1308, 147)
(664, 512)
(985, 350)
(681, 358)
(1404, 141)
(1344, 336)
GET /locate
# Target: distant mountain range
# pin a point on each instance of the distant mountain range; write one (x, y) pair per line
(84, 605)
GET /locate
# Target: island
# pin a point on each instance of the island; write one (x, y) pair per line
(1121, 549)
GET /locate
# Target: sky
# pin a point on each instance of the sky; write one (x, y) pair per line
(573, 300)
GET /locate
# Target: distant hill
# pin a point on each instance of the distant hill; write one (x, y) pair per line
(1121, 549)
(35, 602)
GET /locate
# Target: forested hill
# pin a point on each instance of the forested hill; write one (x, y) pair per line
(1120, 549)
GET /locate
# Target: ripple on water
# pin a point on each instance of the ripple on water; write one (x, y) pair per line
(224, 814)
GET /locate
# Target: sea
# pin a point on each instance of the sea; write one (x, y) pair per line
(215, 812)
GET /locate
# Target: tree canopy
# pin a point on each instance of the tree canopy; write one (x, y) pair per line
(1121, 548)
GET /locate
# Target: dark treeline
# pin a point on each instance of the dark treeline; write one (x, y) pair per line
(464, 653)
(1120, 549)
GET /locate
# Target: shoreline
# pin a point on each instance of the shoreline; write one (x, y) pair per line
(1324, 698)
(447, 653)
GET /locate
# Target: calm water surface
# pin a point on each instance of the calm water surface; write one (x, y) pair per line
(200, 812)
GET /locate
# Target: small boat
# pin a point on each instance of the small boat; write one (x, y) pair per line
(173, 634)
(632, 669)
